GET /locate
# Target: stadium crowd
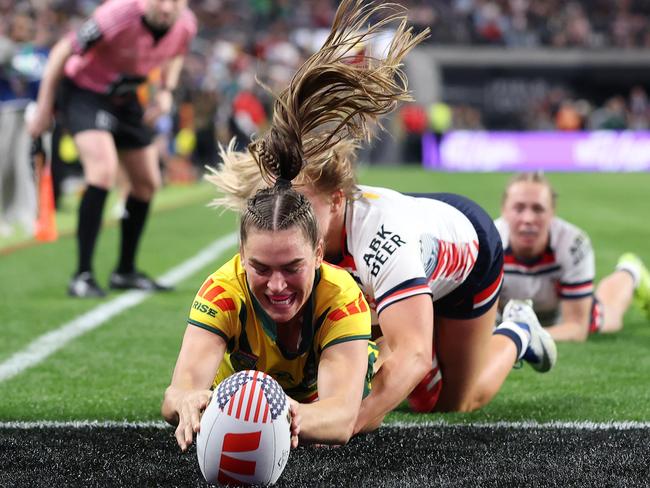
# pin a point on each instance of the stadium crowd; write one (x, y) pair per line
(239, 41)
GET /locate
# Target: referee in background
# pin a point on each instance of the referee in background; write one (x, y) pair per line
(92, 74)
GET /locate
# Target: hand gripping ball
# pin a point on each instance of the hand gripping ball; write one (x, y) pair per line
(245, 434)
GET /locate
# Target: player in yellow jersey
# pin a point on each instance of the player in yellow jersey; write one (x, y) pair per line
(278, 308)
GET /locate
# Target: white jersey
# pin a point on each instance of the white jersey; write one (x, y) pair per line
(397, 246)
(565, 270)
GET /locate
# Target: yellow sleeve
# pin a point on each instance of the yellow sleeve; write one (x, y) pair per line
(216, 308)
(348, 320)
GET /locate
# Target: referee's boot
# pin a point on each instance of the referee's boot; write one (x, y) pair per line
(135, 280)
(83, 285)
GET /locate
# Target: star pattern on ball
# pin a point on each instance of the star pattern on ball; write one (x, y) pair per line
(275, 396)
(229, 387)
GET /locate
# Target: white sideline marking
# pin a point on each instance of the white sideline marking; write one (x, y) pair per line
(47, 344)
(526, 424)
(104, 424)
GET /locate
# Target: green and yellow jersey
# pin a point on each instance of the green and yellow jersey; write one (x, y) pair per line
(335, 312)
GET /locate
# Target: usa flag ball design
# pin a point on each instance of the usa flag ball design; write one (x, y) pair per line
(245, 435)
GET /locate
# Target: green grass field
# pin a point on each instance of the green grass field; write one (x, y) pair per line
(120, 370)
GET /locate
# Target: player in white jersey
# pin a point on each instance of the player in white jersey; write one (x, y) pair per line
(430, 266)
(551, 261)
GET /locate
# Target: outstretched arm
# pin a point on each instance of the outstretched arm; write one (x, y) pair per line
(407, 327)
(189, 392)
(341, 375)
(575, 320)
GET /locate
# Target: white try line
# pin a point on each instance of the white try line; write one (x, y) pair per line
(49, 343)
(524, 425)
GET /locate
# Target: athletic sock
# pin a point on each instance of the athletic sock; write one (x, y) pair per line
(90, 220)
(632, 269)
(519, 333)
(133, 221)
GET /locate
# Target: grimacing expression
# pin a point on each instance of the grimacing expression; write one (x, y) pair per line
(280, 268)
(163, 13)
(528, 210)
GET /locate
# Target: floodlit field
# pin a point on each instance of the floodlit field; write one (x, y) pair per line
(117, 369)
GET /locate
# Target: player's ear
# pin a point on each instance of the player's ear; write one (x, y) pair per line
(338, 200)
(320, 251)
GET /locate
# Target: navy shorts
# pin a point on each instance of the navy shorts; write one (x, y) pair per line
(79, 109)
(480, 290)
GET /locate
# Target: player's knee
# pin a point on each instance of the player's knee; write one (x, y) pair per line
(102, 178)
(145, 190)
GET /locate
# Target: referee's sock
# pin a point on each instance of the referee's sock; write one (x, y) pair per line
(133, 222)
(90, 220)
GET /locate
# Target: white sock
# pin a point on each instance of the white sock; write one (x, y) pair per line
(633, 269)
(519, 334)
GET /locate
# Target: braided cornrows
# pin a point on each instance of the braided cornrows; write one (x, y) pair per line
(280, 208)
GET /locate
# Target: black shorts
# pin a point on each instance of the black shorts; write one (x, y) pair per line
(480, 290)
(79, 109)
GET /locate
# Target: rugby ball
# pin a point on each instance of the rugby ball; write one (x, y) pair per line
(245, 435)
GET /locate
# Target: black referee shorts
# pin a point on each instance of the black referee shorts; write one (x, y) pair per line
(79, 109)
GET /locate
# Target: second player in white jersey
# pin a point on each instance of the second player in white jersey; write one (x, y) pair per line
(395, 249)
(551, 262)
(564, 271)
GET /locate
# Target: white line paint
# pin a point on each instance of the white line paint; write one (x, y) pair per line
(49, 343)
(525, 425)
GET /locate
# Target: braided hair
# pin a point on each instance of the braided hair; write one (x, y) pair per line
(279, 208)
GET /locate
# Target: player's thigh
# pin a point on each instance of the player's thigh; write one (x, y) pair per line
(143, 170)
(462, 347)
(98, 157)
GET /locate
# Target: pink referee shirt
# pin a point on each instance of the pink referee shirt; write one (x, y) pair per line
(125, 47)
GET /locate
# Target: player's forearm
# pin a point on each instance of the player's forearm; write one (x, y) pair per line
(399, 374)
(329, 421)
(569, 331)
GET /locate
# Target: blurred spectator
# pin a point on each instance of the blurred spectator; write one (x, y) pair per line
(611, 116)
(414, 122)
(567, 117)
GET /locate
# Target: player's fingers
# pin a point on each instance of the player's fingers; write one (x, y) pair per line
(294, 441)
(180, 437)
(189, 434)
(196, 420)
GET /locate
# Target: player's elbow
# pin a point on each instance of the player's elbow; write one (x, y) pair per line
(345, 426)
(422, 363)
(344, 433)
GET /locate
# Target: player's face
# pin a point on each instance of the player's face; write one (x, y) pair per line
(528, 209)
(280, 269)
(163, 13)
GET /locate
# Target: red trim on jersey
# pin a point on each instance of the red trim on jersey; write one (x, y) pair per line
(489, 291)
(547, 258)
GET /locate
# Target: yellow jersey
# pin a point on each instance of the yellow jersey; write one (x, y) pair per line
(335, 312)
